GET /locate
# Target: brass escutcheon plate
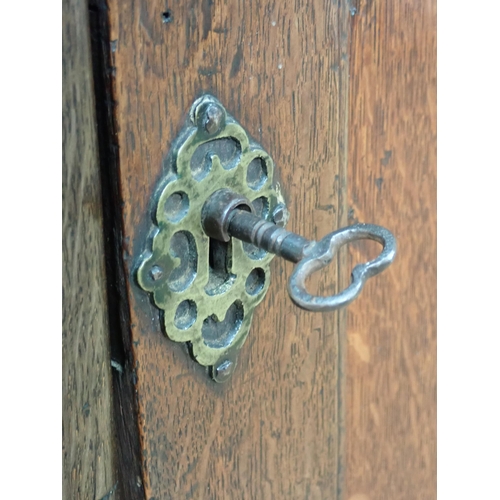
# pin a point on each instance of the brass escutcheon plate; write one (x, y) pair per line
(207, 289)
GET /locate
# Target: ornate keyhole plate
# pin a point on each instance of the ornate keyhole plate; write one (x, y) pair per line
(207, 289)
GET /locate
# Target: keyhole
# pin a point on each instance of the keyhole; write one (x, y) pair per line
(219, 264)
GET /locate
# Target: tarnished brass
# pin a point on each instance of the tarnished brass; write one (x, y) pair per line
(208, 289)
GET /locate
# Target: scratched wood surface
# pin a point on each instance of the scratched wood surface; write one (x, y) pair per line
(281, 70)
(87, 441)
(391, 364)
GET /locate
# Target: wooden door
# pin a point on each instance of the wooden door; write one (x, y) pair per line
(321, 406)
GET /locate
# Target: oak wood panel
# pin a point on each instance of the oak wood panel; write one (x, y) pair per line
(391, 367)
(88, 468)
(281, 70)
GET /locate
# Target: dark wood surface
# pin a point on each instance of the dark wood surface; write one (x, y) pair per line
(391, 364)
(281, 69)
(88, 463)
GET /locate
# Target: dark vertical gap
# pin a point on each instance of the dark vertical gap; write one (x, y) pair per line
(219, 264)
(127, 442)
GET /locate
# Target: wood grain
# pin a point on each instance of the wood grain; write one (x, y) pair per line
(281, 69)
(391, 367)
(87, 418)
